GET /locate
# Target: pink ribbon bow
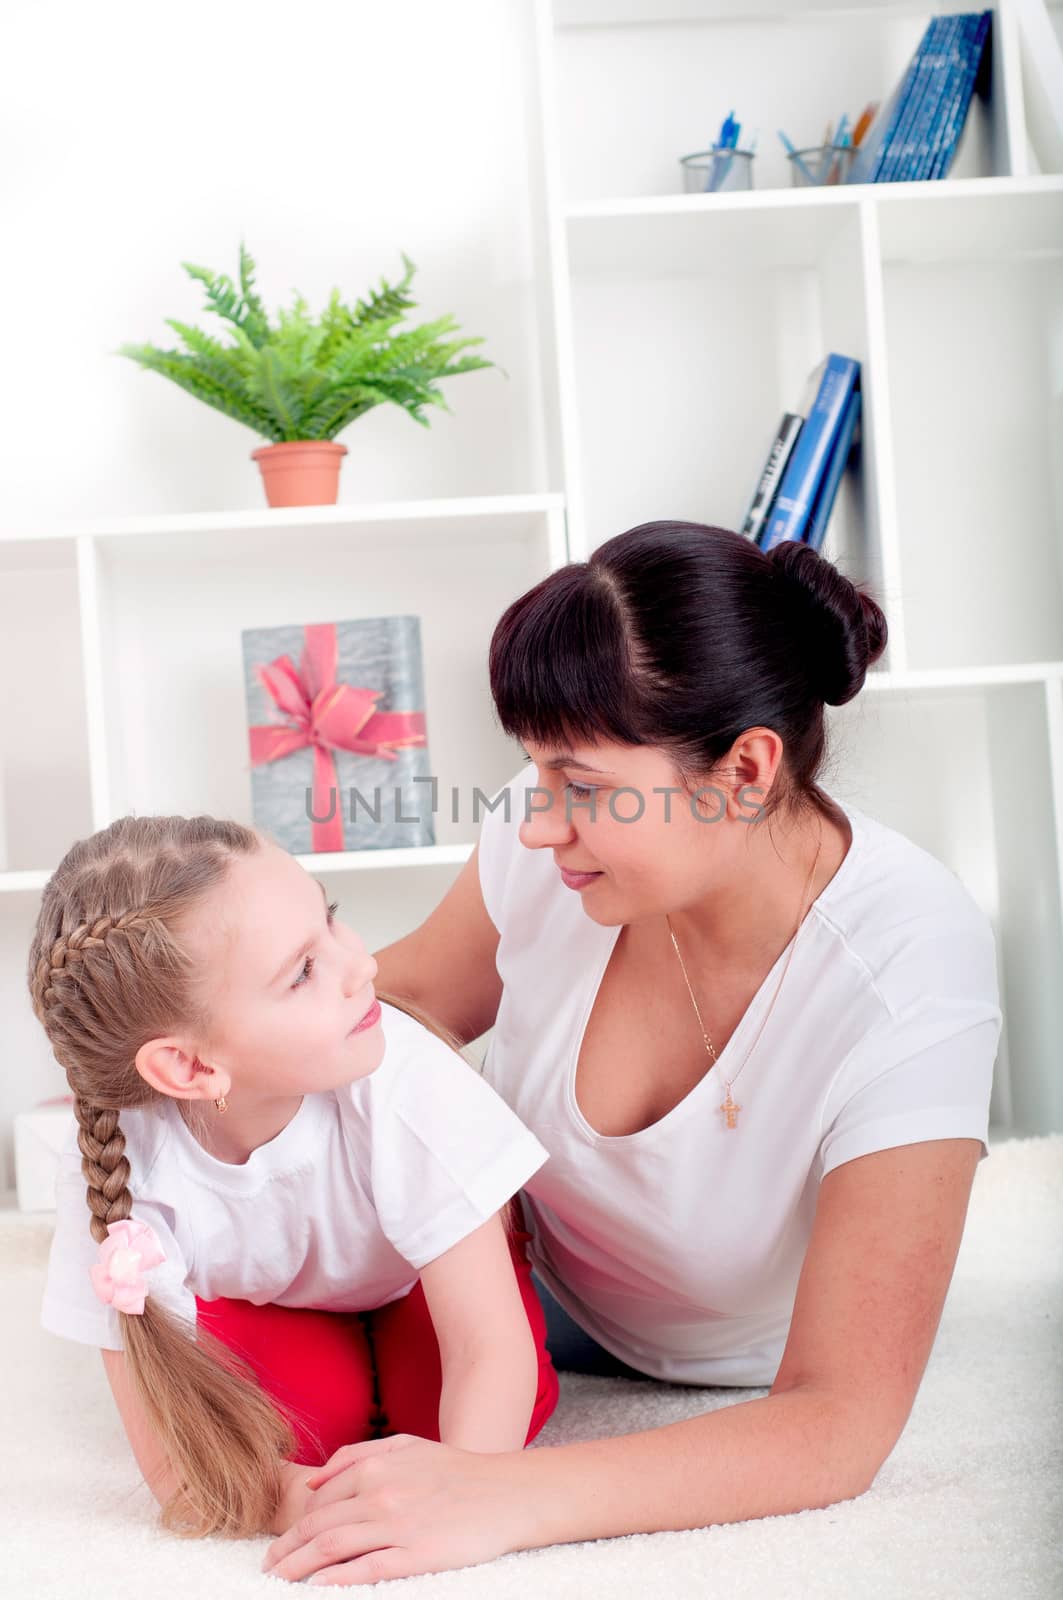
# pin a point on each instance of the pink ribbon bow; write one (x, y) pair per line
(130, 1250)
(328, 716)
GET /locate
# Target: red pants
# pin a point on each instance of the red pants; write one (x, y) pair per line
(341, 1377)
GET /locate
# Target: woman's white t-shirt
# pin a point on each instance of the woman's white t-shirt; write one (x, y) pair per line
(679, 1247)
(364, 1186)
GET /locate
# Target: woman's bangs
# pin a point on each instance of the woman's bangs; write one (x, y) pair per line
(558, 679)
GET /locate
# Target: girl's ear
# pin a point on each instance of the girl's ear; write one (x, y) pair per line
(172, 1067)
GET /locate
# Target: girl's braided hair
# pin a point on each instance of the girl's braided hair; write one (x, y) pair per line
(108, 972)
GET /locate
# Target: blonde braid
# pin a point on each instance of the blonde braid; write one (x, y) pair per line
(102, 1145)
(108, 971)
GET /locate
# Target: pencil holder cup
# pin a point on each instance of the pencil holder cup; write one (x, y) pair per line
(713, 171)
(822, 164)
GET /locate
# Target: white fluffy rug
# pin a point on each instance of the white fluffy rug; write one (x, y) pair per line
(969, 1503)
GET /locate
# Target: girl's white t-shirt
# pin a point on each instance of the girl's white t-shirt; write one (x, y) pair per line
(363, 1187)
(679, 1247)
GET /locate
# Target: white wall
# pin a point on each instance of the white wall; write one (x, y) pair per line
(330, 135)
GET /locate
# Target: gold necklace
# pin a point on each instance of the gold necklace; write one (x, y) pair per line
(728, 1106)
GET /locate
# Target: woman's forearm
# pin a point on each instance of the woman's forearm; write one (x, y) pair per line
(793, 1451)
(486, 1399)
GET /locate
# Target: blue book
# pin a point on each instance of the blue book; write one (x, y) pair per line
(876, 141)
(771, 474)
(927, 61)
(797, 491)
(915, 164)
(977, 58)
(839, 457)
(966, 26)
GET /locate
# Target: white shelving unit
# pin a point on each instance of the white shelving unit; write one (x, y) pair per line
(121, 643)
(686, 324)
(674, 330)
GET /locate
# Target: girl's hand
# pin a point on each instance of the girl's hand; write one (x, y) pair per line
(295, 1496)
(394, 1507)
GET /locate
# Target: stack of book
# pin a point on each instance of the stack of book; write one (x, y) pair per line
(918, 130)
(798, 483)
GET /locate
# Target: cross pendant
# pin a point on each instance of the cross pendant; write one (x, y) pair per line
(730, 1109)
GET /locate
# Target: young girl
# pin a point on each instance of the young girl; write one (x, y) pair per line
(295, 1235)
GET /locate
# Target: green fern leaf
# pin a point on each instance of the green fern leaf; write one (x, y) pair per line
(227, 365)
(343, 407)
(221, 292)
(281, 396)
(191, 377)
(255, 321)
(390, 301)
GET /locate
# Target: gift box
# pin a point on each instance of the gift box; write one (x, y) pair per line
(40, 1136)
(338, 736)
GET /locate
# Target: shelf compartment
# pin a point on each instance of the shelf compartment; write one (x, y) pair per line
(976, 418)
(691, 337)
(171, 607)
(967, 774)
(674, 77)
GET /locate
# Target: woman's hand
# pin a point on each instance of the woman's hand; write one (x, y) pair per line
(390, 1508)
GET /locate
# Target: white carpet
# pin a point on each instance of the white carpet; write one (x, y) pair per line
(969, 1503)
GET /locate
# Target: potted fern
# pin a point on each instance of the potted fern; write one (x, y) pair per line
(302, 382)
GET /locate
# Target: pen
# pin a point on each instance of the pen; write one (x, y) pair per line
(841, 139)
(826, 158)
(719, 168)
(867, 116)
(791, 150)
(730, 140)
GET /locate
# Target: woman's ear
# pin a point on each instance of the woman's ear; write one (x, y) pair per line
(172, 1067)
(755, 761)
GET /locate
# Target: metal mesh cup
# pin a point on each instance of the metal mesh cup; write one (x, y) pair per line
(716, 170)
(820, 164)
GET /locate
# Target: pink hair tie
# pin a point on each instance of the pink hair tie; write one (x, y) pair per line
(128, 1252)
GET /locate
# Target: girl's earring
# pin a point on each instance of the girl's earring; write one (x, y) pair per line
(222, 1104)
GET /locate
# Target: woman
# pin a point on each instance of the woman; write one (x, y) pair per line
(755, 1029)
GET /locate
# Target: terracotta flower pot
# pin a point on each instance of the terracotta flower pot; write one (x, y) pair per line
(301, 472)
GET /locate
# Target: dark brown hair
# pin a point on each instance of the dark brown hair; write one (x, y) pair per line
(683, 636)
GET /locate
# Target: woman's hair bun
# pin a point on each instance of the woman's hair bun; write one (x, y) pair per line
(846, 629)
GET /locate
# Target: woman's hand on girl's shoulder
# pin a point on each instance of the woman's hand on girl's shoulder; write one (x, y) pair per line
(395, 1507)
(447, 965)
